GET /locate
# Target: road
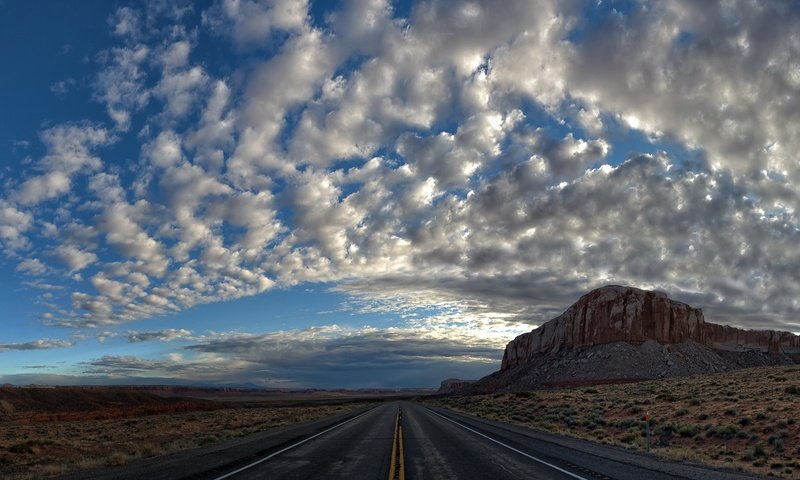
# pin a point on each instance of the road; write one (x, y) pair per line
(360, 447)
(407, 440)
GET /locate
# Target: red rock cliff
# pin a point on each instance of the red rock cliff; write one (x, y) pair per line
(625, 314)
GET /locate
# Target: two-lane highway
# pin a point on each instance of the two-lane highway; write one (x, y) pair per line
(408, 440)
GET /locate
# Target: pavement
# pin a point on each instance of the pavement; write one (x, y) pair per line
(408, 440)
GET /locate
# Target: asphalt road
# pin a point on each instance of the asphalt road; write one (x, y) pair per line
(444, 444)
(357, 448)
(420, 443)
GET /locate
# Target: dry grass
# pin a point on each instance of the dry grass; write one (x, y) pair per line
(748, 419)
(40, 446)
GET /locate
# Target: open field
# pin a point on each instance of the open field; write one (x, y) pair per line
(748, 419)
(50, 433)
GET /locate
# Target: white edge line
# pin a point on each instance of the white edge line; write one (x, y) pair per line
(290, 447)
(510, 447)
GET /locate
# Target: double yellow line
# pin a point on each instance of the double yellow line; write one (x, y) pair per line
(397, 471)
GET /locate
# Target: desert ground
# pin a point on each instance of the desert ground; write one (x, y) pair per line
(48, 432)
(747, 419)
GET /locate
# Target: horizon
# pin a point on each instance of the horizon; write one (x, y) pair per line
(381, 194)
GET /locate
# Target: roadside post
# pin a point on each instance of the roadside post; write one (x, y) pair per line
(647, 429)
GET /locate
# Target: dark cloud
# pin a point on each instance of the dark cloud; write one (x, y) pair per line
(162, 335)
(319, 357)
(36, 345)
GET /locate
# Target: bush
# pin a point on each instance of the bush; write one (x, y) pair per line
(630, 436)
(726, 432)
(793, 390)
(688, 430)
(21, 448)
(777, 444)
(745, 421)
(754, 452)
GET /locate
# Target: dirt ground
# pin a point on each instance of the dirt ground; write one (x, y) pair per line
(39, 444)
(747, 419)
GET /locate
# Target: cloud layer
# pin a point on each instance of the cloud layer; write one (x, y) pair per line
(493, 159)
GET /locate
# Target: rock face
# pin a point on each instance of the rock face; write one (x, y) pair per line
(625, 314)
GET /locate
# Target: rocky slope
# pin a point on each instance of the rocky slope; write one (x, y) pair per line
(452, 385)
(619, 333)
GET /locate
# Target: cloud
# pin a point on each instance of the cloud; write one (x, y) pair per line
(13, 225)
(490, 160)
(313, 357)
(36, 345)
(63, 86)
(32, 266)
(250, 22)
(69, 151)
(69, 147)
(657, 65)
(179, 89)
(161, 335)
(126, 21)
(121, 85)
(44, 187)
(74, 258)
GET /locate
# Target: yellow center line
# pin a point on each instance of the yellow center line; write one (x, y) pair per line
(401, 459)
(397, 467)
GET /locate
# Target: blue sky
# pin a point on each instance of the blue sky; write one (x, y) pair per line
(371, 193)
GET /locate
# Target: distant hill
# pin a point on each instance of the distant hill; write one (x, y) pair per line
(89, 402)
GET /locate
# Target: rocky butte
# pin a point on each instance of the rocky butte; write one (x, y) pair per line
(617, 333)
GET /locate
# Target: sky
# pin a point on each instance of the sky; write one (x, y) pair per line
(367, 193)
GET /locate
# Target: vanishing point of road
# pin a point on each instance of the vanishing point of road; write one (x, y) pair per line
(408, 440)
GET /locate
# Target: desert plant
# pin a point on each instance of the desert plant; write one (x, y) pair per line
(777, 444)
(754, 452)
(688, 430)
(745, 421)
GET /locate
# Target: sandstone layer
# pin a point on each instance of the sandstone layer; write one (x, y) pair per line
(624, 314)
